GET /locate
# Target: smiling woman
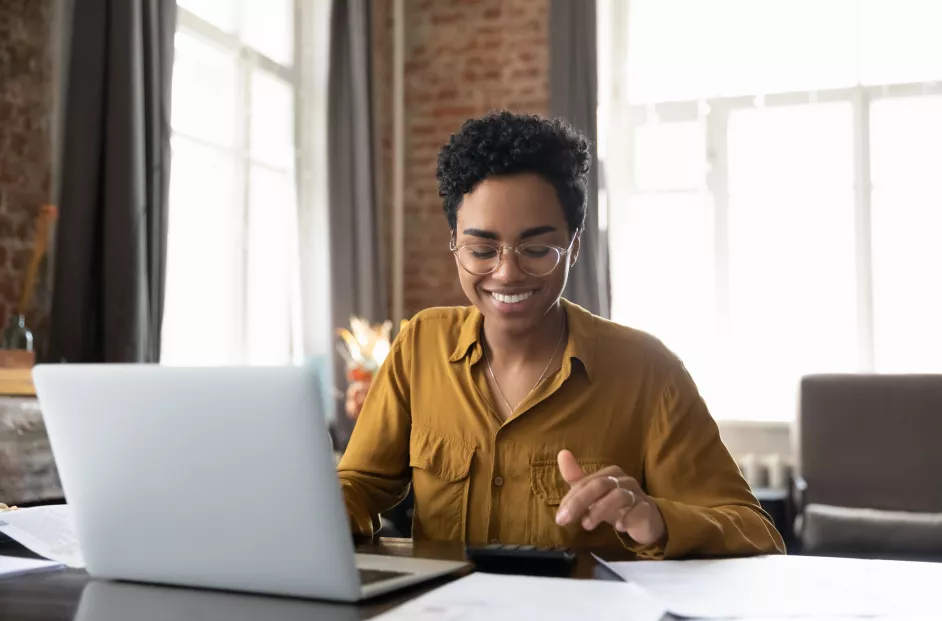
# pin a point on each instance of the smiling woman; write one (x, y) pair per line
(524, 418)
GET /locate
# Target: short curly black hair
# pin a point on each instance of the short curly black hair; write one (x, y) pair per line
(504, 143)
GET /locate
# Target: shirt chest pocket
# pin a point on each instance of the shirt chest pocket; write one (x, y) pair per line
(547, 489)
(441, 466)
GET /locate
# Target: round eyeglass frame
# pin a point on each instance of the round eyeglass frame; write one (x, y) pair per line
(502, 250)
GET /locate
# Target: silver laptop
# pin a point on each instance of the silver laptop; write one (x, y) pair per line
(209, 477)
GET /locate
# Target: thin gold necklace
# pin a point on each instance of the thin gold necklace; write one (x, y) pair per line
(542, 375)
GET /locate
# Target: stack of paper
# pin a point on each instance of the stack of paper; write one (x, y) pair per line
(788, 587)
(47, 531)
(489, 597)
(11, 566)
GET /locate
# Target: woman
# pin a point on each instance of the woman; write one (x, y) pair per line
(524, 418)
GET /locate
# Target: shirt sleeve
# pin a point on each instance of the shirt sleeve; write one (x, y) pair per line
(374, 470)
(707, 506)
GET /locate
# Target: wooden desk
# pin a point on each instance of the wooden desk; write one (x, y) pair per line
(55, 596)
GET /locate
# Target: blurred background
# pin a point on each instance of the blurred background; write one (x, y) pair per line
(228, 182)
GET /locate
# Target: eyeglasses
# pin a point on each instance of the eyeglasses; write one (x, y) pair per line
(534, 258)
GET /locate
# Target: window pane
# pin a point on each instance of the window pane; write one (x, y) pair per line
(202, 315)
(268, 26)
(791, 147)
(793, 297)
(670, 156)
(205, 80)
(272, 126)
(692, 49)
(222, 14)
(907, 270)
(906, 142)
(792, 267)
(270, 265)
(662, 273)
(906, 157)
(899, 41)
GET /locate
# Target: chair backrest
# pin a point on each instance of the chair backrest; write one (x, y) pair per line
(872, 441)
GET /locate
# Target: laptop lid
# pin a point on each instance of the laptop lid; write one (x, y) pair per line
(213, 477)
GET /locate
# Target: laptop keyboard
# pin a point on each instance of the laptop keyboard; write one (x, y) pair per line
(372, 576)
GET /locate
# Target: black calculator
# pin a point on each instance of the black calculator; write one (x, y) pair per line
(528, 560)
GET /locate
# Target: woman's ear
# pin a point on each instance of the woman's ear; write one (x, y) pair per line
(574, 252)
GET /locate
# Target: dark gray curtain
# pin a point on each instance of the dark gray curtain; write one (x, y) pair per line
(111, 241)
(574, 96)
(357, 286)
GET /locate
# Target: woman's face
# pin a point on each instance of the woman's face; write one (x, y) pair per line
(507, 211)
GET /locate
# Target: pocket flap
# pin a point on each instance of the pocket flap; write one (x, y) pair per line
(447, 458)
(547, 482)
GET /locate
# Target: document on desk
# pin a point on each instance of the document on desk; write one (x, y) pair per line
(47, 531)
(12, 566)
(492, 597)
(787, 587)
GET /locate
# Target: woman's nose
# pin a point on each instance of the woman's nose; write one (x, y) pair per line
(509, 268)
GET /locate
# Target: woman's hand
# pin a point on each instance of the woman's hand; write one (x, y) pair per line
(608, 495)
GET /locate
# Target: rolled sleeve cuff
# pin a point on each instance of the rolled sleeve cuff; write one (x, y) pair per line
(361, 522)
(677, 541)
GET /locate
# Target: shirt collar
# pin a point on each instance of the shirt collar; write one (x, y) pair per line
(469, 336)
(580, 346)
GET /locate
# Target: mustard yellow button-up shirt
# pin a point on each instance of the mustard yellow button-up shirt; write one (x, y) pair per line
(619, 398)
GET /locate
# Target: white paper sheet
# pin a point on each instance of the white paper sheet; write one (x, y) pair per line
(490, 597)
(11, 566)
(47, 531)
(788, 587)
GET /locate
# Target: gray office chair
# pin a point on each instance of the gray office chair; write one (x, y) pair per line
(870, 464)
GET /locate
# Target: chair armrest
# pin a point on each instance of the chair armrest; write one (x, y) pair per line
(797, 500)
(798, 489)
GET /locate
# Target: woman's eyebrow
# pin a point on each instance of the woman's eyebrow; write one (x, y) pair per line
(531, 232)
(481, 233)
(537, 230)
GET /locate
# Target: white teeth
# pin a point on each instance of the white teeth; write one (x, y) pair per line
(511, 299)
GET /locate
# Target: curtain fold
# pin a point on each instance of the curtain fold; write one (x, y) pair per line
(574, 96)
(114, 179)
(357, 286)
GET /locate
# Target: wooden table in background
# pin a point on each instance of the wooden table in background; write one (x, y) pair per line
(27, 469)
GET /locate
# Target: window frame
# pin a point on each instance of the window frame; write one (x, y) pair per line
(624, 119)
(249, 60)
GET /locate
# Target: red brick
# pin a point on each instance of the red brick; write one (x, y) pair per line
(445, 19)
(21, 259)
(26, 116)
(462, 112)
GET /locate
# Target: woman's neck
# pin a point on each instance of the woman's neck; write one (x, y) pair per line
(515, 350)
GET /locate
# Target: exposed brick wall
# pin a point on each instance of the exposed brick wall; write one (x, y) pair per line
(382, 98)
(463, 59)
(26, 126)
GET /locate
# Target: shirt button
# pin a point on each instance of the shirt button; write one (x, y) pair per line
(498, 481)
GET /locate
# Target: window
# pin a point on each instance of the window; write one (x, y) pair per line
(773, 190)
(232, 257)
